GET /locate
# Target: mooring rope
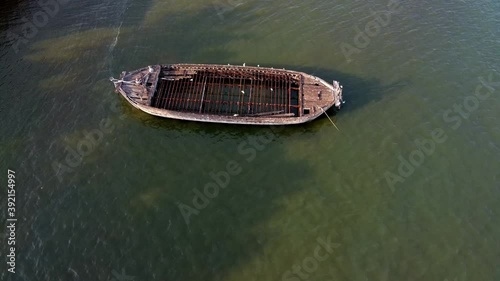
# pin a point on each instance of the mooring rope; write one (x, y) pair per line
(329, 118)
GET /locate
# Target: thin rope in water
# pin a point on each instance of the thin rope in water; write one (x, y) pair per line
(329, 119)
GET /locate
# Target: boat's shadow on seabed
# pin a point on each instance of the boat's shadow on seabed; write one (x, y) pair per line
(358, 92)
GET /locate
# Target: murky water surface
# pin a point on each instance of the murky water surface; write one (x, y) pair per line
(408, 189)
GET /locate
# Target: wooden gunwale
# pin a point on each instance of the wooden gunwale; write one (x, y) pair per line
(233, 94)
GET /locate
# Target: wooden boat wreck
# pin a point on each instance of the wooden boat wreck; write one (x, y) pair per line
(228, 94)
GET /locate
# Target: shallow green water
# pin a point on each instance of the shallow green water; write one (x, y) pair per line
(116, 210)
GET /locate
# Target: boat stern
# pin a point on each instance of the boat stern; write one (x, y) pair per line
(337, 94)
(118, 82)
(139, 85)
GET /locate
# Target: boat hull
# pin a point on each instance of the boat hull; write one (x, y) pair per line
(228, 94)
